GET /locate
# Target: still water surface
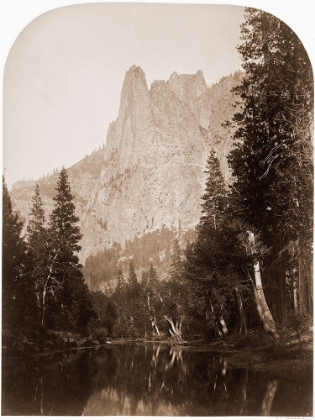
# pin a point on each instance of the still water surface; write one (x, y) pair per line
(145, 379)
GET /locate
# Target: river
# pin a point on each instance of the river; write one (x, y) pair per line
(145, 379)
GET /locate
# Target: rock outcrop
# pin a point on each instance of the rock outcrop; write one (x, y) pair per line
(150, 174)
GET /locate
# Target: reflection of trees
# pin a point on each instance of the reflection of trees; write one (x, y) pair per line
(268, 398)
(46, 385)
(244, 392)
(162, 380)
(154, 379)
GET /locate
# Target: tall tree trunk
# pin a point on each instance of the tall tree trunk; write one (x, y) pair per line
(295, 297)
(305, 283)
(281, 279)
(154, 324)
(152, 315)
(44, 305)
(241, 312)
(216, 328)
(45, 287)
(223, 325)
(262, 306)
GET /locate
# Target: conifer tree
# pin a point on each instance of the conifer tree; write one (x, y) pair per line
(72, 302)
(132, 278)
(121, 283)
(13, 264)
(63, 220)
(152, 277)
(215, 196)
(38, 254)
(210, 266)
(110, 316)
(272, 160)
(136, 304)
(18, 298)
(176, 266)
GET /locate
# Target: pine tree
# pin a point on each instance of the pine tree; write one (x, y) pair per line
(38, 256)
(16, 289)
(135, 302)
(72, 302)
(110, 315)
(132, 278)
(211, 267)
(63, 220)
(176, 266)
(272, 160)
(215, 196)
(121, 283)
(152, 277)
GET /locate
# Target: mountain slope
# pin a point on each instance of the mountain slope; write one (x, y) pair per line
(150, 175)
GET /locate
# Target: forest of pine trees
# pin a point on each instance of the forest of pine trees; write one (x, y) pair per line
(250, 263)
(42, 278)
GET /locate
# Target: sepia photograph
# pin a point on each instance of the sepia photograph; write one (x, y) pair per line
(157, 213)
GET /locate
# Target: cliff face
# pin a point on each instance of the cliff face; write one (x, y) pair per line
(151, 172)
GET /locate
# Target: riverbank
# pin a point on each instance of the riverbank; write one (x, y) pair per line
(255, 351)
(41, 341)
(149, 378)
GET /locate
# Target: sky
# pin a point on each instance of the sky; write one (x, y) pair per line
(65, 70)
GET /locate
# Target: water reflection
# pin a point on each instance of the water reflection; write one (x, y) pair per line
(268, 398)
(154, 380)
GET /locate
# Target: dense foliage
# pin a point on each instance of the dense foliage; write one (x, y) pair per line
(42, 279)
(272, 161)
(17, 296)
(266, 220)
(100, 270)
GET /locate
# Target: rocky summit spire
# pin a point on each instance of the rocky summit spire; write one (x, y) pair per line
(188, 87)
(133, 130)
